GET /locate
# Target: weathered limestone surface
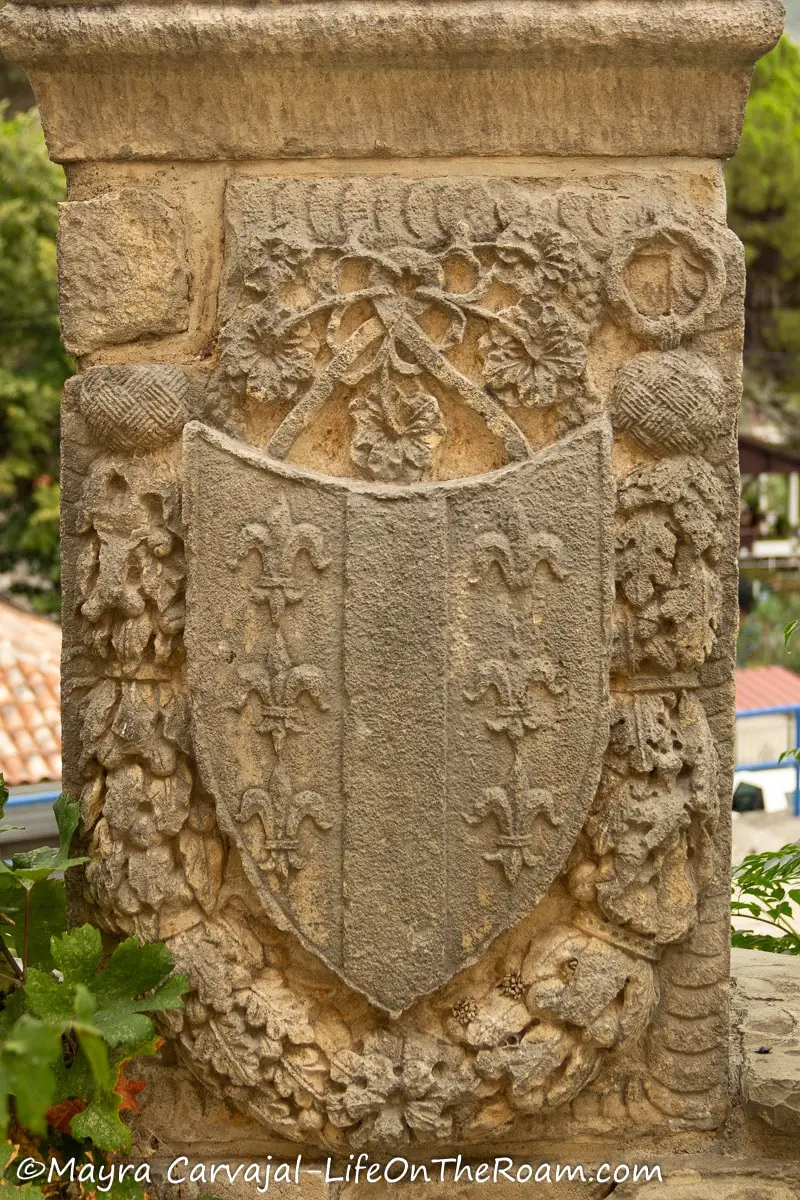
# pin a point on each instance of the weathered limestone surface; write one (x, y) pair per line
(122, 270)
(400, 551)
(214, 81)
(691, 1186)
(767, 998)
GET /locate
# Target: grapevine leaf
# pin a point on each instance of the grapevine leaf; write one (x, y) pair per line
(33, 866)
(96, 1052)
(169, 995)
(100, 1123)
(133, 969)
(68, 818)
(47, 998)
(26, 1062)
(126, 1189)
(120, 1025)
(77, 954)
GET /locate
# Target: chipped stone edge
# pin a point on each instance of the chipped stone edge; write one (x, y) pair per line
(701, 29)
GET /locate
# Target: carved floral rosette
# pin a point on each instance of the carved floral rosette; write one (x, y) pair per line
(411, 334)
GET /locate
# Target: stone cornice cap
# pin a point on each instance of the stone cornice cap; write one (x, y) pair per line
(396, 79)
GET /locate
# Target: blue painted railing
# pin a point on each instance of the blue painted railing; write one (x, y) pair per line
(44, 797)
(791, 710)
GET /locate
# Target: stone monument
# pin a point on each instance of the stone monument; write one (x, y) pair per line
(400, 527)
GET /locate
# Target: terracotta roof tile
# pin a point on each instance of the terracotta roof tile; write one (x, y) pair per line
(30, 713)
(766, 687)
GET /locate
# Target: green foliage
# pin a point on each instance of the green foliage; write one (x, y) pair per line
(33, 363)
(761, 637)
(763, 181)
(766, 887)
(763, 176)
(71, 1017)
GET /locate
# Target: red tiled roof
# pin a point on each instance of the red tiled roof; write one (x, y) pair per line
(30, 710)
(766, 687)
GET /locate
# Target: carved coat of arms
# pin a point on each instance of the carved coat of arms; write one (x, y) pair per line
(400, 693)
(399, 708)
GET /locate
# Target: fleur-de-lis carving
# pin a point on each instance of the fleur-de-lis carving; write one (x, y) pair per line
(515, 807)
(281, 812)
(278, 542)
(522, 688)
(518, 551)
(279, 684)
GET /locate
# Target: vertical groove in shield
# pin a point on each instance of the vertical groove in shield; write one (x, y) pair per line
(395, 735)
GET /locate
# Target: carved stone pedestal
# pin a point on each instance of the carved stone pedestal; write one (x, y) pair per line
(400, 549)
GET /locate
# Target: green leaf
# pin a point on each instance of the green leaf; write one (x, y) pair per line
(32, 866)
(33, 1087)
(119, 1024)
(26, 1061)
(745, 939)
(168, 996)
(788, 633)
(47, 998)
(68, 818)
(5, 1089)
(125, 1189)
(47, 917)
(100, 1123)
(96, 1053)
(59, 1027)
(110, 1001)
(10, 1158)
(74, 1080)
(77, 954)
(38, 873)
(143, 1049)
(764, 884)
(14, 1006)
(134, 969)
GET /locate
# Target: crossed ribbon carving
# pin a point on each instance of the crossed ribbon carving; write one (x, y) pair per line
(400, 291)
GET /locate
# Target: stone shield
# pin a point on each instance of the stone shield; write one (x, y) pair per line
(399, 693)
